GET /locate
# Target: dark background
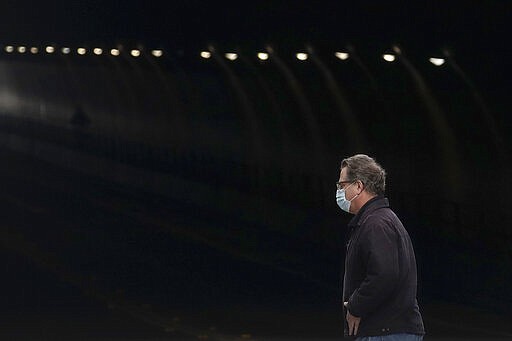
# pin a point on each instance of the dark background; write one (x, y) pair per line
(198, 196)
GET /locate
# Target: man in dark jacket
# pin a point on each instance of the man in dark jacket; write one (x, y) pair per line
(380, 282)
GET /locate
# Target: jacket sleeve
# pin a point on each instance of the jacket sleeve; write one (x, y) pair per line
(379, 251)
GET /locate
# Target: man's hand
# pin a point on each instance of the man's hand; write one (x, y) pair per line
(353, 322)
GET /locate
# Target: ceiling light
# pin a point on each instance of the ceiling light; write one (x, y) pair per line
(263, 56)
(342, 55)
(437, 61)
(302, 56)
(231, 56)
(389, 57)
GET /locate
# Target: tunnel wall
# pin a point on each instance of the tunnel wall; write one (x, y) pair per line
(253, 140)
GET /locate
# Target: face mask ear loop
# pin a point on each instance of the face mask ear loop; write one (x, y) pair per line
(356, 194)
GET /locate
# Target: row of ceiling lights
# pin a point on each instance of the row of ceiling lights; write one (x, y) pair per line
(388, 57)
(81, 51)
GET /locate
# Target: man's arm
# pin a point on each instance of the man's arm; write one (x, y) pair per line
(380, 251)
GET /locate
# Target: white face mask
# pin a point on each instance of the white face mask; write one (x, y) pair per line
(342, 201)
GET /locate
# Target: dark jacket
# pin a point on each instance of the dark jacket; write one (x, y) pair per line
(380, 279)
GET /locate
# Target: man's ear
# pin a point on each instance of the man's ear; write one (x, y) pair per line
(360, 185)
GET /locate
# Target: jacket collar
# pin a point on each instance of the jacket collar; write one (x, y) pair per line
(371, 205)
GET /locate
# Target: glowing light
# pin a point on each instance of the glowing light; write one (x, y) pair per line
(231, 56)
(135, 53)
(342, 55)
(437, 61)
(22, 49)
(81, 51)
(157, 53)
(263, 56)
(49, 49)
(114, 52)
(34, 50)
(205, 54)
(97, 51)
(65, 50)
(9, 49)
(389, 57)
(302, 56)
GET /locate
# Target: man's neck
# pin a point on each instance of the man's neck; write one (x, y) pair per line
(362, 200)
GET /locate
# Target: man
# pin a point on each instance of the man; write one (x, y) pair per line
(380, 281)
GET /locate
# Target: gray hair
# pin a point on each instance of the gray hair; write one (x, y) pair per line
(368, 171)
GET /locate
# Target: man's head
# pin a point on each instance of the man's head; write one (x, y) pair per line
(362, 178)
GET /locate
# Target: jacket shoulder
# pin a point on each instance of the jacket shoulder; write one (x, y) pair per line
(382, 223)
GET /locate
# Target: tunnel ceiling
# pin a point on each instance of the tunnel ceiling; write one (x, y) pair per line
(193, 22)
(476, 32)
